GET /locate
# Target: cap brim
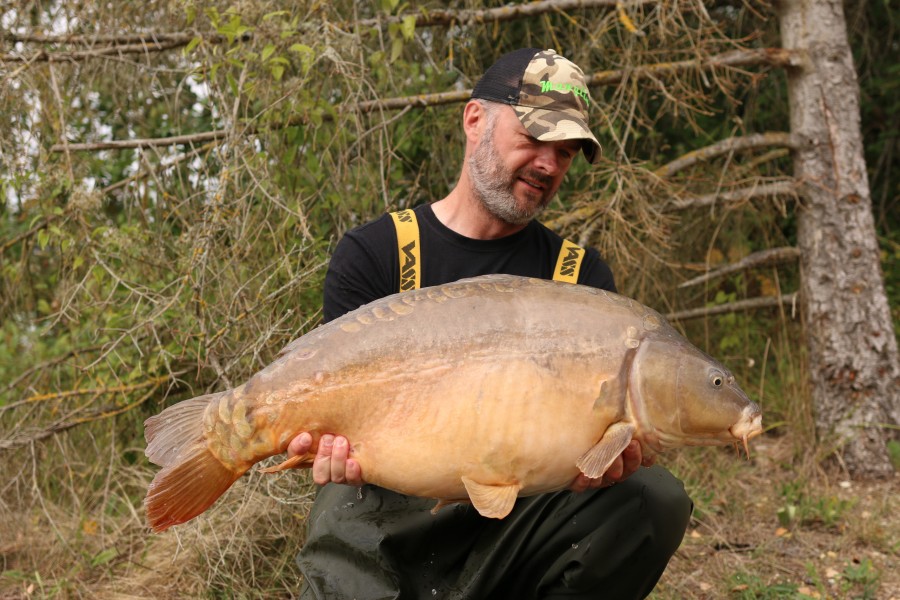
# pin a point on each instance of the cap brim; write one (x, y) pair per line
(552, 125)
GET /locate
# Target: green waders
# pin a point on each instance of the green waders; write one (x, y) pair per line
(371, 544)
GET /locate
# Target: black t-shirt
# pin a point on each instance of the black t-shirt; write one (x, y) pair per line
(365, 265)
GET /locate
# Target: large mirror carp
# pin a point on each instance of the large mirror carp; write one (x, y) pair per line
(477, 391)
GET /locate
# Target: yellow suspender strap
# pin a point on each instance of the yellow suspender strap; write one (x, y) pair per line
(408, 249)
(569, 262)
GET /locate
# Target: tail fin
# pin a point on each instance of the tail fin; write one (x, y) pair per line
(192, 478)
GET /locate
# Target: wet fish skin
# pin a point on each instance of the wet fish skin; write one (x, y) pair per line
(481, 390)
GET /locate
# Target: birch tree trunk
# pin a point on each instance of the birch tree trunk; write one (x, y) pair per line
(852, 346)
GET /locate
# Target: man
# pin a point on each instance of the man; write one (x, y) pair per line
(526, 122)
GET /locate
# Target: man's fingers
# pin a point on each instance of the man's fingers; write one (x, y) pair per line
(615, 470)
(631, 458)
(322, 464)
(339, 452)
(299, 445)
(354, 473)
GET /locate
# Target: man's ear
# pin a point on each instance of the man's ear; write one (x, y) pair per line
(474, 120)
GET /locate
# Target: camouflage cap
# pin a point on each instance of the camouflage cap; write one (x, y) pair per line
(547, 92)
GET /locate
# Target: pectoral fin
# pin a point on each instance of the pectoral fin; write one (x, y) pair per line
(492, 501)
(596, 461)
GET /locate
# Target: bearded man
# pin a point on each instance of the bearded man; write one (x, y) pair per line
(525, 124)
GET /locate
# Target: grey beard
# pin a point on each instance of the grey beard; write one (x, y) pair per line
(493, 183)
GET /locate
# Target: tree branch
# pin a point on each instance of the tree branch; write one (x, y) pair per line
(99, 52)
(117, 389)
(776, 57)
(440, 98)
(727, 146)
(129, 43)
(510, 12)
(740, 305)
(778, 188)
(773, 256)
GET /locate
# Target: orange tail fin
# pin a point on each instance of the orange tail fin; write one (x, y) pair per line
(192, 478)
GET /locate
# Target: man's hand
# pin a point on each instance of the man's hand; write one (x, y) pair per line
(332, 463)
(625, 464)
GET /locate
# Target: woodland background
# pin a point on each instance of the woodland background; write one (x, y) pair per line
(173, 178)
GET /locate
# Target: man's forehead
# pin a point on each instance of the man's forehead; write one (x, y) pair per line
(509, 114)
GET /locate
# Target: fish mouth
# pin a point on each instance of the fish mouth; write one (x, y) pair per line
(748, 426)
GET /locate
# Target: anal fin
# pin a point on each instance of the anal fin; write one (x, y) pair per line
(492, 500)
(300, 461)
(597, 460)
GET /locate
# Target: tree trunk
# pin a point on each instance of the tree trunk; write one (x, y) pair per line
(852, 346)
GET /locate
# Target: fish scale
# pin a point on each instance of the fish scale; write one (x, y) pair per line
(481, 390)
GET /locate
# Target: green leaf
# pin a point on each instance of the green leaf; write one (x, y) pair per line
(104, 556)
(396, 49)
(277, 71)
(267, 52)
(191, 45)
(408, 27)
(43, 238)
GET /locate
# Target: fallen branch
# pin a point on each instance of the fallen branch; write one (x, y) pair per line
(763, 258)
(731, 307)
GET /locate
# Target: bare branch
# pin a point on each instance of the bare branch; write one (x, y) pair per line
(126, 43)
(778, 188)
(193, 138)
(509, 12)
(727, 146)
(116, 389)
(440, 98)
(776, 57)
(731, 307)
(21, 438)
(99, 52)
(764, 258)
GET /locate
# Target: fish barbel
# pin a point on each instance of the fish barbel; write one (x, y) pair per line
(481, 391)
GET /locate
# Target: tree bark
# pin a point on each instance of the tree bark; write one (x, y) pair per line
(852, 346)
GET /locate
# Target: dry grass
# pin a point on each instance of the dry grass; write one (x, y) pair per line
(841, 541)
(779, 526)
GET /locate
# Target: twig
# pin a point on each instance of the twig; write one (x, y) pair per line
(104, 413)
(49, 363)
(159, 168)
(769, 257)
(117, 389)
(731, 307)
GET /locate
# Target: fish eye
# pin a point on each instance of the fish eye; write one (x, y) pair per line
(716, 379)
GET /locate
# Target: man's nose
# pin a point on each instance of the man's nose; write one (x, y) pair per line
(548, 159)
